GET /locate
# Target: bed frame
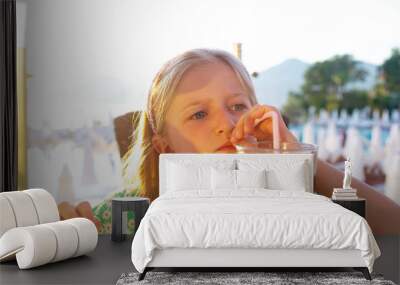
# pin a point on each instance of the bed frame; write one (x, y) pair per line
(234, 259)
(250, 259)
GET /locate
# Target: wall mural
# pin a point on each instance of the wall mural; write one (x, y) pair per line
(87, 85)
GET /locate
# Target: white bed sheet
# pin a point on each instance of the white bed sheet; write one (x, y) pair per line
(252, 218)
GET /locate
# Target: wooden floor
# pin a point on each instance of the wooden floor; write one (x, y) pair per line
(110, 260)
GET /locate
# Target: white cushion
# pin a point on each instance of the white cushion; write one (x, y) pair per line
(40, 244)
(7, 220)
(251, 178)
(45, 205)
(227, 179)
(294, 179)
(27, 208)
(282, 174)
(34, 244)
(283, 163)
(23, 208)
(182, 178)
(223, 179)
(67, 239)
(87, 235)
(186, 175)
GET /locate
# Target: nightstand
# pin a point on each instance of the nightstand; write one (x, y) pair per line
(137, 205)
(358, 206)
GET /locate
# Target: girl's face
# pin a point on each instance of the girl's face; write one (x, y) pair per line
(208, 103)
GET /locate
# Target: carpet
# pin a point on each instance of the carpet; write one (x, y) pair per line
(225, 278)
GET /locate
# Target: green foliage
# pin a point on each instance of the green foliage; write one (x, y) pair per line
(332, 102)
(326, 81)
(386, 93)
(295, 108)
(354, 99)
(391, 72)
(327, 86)
(379, 97)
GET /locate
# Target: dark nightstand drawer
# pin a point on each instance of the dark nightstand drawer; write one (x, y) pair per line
(357, 205)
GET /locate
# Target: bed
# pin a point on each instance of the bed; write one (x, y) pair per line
(247, 211)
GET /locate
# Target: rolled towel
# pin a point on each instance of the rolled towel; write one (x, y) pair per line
(40, 244)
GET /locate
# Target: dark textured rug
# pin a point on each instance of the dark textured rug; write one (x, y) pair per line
(225, 278)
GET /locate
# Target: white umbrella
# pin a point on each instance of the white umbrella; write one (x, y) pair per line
(392, 183)
(322, 151)
(333, 142)
(385, 118)
(323, 116)
(376, 151)
(355, 117)
(308, 133)
(392, 146)
(343, 117)
(354, 150)
(396, 116)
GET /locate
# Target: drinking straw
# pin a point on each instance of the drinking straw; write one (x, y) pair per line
(275, 127)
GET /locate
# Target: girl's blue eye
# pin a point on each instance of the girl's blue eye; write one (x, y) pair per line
(239, 107)
(198, 115)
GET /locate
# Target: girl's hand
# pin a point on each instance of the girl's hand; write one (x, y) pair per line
(263, 131)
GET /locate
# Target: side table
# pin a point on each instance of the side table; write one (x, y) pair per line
(358, 205)
(138, 205)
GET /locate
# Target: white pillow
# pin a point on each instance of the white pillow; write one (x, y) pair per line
(223, 179)
(181, 177)
(294, 179)
(189, 174)
(251, 178)
(282, 174)
(228, 179)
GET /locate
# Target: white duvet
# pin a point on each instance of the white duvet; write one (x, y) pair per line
(250, 218)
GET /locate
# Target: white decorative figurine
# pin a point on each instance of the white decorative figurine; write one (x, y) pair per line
(346, 192)
(347, 174)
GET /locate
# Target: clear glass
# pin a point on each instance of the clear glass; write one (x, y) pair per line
(284, 148)
(267, 147)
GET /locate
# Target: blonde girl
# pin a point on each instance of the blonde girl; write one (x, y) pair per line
(166, 103)
(203, 101)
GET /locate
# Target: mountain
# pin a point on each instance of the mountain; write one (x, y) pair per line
(273, 85)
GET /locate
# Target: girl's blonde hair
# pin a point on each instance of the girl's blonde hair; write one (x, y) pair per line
(140, 166)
